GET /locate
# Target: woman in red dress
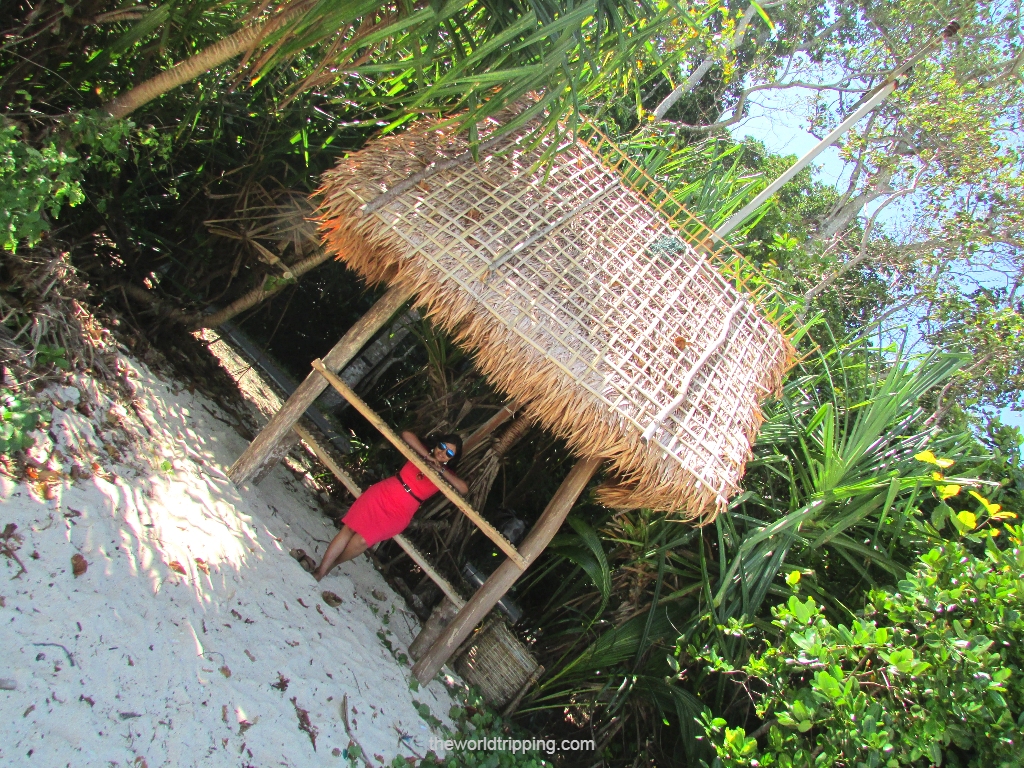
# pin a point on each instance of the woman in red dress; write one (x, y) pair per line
(386, 508)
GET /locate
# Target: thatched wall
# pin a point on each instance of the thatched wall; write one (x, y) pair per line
(580, 300)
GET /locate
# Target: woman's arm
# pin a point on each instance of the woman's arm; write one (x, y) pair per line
(446, 473)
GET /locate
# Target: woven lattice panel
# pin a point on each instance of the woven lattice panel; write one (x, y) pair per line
(582, 300)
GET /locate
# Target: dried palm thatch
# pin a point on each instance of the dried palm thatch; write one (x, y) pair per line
(611, 318)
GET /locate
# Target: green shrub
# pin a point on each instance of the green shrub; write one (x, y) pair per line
(36, 183)
(476, 723)
(18, 416)
(930, 675)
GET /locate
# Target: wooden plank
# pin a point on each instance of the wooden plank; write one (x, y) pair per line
(505, 575)
(261, 450)
(418, 558)
(325, 458)
(346, 479)
(489, 530)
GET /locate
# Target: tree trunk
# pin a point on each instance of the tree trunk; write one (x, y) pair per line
(260, 293)
(194, 66)
(369, 359)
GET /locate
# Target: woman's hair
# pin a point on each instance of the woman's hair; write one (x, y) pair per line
(431, 442)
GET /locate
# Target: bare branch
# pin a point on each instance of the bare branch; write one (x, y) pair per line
(737, 111)
(863, 254)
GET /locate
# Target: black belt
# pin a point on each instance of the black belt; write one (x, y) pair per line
(408, 489)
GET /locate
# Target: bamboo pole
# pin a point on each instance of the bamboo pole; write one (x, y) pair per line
(435, 477)
(506, 574)
(255, 457)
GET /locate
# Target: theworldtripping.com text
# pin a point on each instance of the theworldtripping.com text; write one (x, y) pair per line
(512, 745)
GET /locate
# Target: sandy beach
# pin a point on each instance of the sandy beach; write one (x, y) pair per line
(159, 619)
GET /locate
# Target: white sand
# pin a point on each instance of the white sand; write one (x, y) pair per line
(166, 668)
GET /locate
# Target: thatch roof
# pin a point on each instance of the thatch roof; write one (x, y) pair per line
(582, 300)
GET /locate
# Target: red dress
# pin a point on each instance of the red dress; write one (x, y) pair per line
(385, 509)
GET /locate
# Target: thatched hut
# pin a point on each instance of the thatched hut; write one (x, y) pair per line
(608, 317)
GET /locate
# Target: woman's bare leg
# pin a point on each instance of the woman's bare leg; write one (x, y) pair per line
(334, 550)
(356, 546)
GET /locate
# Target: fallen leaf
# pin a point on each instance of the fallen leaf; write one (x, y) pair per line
(79, 565)
(681, 343)
(251, 657)
(244, 726)
(304, 722)
(201, 565)
(28, 711)
(177, 567)
(31, 473)
(378, 594)
(225, 670)
(331, 598)
(302, 603)
(88, 700)
(224, 713)
(292, 643)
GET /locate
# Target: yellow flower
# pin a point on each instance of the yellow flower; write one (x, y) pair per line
(930, 458)
(988, 505)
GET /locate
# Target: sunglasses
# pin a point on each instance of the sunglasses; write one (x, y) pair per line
(447, 449)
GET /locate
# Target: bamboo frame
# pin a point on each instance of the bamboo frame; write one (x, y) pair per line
(356, 402)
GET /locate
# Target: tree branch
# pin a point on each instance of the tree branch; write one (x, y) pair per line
(698, 74)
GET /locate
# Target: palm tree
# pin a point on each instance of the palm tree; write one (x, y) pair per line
(472, 55)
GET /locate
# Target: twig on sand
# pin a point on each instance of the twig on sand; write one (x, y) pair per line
(348, 729)
(71, 659)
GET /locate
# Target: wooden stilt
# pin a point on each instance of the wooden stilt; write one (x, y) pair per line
(506, 574)
(261, 450)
